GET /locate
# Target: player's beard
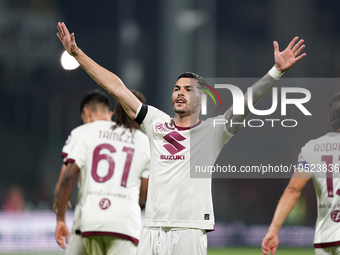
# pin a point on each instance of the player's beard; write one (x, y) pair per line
(180, 111)
(191, 109)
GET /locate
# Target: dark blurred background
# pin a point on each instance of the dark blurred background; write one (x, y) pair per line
(148, 44)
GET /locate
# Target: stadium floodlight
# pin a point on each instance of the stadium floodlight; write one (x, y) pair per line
(68, 62)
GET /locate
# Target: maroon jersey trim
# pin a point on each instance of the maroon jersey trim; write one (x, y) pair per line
(104, 233)
(326, 245)
(69, 160)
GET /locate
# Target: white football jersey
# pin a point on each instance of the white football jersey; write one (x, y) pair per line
(68, 146)
(174, 198)
(321, 158)
(70, 142)
(112, 163)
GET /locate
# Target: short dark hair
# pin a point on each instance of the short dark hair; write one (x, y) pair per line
(334, 112)
(122, 119)
(94, 98)
(192, 75)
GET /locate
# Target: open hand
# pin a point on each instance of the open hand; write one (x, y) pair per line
(68, 40)
(284, 60)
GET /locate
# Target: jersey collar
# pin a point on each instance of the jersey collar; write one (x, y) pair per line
(187, 128)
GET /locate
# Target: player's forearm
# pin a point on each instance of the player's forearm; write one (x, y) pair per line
(65, 191)
(142, 200)
(106, 79)
(284, 207)
(56, 190)
(143, 192)
(111, 83)
(259, 90)
(57, 186)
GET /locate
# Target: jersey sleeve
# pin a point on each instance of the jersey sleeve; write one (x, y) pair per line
(146, 172)
(70, 142)
(67, 146)
(78, 152)
(141, 113)
(222, 134)
(302, 162)
(146, 153)
(146, 115)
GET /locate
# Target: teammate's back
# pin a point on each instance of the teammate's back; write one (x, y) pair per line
(112, 163)
(111, 160)
(321, 158)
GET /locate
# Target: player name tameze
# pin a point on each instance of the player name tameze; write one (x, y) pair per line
(111, 135)
(327, 147)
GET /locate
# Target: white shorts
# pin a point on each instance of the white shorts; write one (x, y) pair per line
(109, 245)
(172, 241)
(335, 250)
(75, 246)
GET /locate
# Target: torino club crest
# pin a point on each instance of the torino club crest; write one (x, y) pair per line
(104, 203)
(335, 216)
(163, 127)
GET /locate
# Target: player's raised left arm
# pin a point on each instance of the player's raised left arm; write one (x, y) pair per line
(284, 60)
(287, 201)
(65, 191)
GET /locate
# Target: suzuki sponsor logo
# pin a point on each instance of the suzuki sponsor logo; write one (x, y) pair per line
(173, 146)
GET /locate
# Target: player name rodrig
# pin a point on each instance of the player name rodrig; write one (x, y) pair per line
(327, 147)
(172, 157)
(111, 135)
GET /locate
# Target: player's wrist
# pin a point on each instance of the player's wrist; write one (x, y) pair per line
(273, 230)
(74, 54)
(60, 218)
(275, 73)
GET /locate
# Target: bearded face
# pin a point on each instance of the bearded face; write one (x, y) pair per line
(186, 97)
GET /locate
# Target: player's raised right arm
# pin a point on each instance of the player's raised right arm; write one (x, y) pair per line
(106, 79)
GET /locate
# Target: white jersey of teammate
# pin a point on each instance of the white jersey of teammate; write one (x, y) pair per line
(111, 163)
(68, 146)
(175, 199)
(321, 158)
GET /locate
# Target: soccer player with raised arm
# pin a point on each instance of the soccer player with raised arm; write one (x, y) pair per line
(111, 160)
(319, 160)
(179, 209)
